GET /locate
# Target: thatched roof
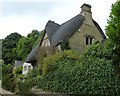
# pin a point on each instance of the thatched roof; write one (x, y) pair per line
(100, 30)
(50, 28)
(32, 57)
(67, 29)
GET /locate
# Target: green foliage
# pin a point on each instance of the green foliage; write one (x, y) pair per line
(34, 73)
(8, 44)
(97, 51)
(10, 40)
(25, 44)
(19, 49)
(48, 61)
(34, 34)
(26, 82)
(38, 39)
(113, 23)
(24, 47)
(113, 32)
(93, 75)
(18, 71)
(65, 45)
(5, 69)
(68, 72)
(23, 86)
(8, 82)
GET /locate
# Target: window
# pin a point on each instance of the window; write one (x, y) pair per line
(25, 68)
(29, 67)
(89, 39)
(86, 40)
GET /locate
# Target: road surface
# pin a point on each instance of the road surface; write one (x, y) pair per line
(2, 91)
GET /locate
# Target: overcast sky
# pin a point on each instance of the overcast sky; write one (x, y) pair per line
(23, 16)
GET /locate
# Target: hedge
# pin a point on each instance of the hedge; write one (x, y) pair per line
(93, 75)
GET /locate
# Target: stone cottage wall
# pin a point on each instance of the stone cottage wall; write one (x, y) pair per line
(78, 40)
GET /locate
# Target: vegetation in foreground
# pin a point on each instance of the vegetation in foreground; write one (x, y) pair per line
(68, 72)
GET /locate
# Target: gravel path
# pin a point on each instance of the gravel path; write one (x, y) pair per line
(2, 91)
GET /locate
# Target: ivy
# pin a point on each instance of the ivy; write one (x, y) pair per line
(113, 32)
(65, 45)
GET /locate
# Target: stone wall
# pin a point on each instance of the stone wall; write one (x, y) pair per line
(78, 40)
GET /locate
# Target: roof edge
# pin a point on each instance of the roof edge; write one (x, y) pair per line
(99, 28)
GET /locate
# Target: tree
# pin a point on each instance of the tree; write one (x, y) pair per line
(24, 47)
(35, 34)
(8, 44)
(39, 38)
(25, 44)
(113, 33)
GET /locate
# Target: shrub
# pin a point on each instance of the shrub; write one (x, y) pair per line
(8, 82)
(49, 60)
(68, 72)
(26, 82)
(18, 71)
(97, 50)
(34, 73)
(91, 75)
(24, 86)
(113, 33)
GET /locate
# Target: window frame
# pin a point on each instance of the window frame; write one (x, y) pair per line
(89, 39)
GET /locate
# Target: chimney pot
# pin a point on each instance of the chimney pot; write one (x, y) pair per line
(86, 7)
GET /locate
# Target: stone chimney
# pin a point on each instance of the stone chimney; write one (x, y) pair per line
(86, 12)
(86, 8)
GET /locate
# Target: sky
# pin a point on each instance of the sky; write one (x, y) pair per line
(23, 16)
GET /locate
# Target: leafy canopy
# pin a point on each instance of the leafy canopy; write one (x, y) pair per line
(8, 45)
(113, 32)
(25, 44)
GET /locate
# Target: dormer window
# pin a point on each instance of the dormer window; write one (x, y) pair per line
(89, 39)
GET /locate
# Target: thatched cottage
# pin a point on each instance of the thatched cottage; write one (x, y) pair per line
(79, 31)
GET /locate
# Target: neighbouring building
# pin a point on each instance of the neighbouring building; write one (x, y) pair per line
(80, 31)
(17, 64)
(26, 68)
